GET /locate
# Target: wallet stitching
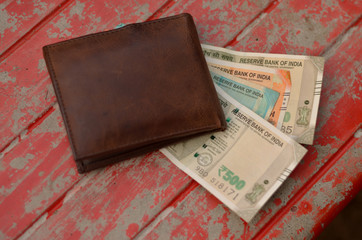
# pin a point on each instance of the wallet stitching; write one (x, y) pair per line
(61, 99)
(64, 107)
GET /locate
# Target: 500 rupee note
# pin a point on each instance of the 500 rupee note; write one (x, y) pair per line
(243, 165)
(306, 76)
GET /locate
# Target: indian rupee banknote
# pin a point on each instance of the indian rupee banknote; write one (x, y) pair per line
(276, 79)
(257, 98)
(233, 164)
(306, 76)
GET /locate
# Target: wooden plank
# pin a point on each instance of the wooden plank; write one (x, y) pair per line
(218, 22)
(18, 18)
(116, 203)
(25, 88)
(34, 174)
(341, 97)
(169, 189)
(323, 201)
(198, 216)
(298, 27)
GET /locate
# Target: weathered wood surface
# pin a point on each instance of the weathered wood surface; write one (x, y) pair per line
(42, 195)
(322, 198)
(19, 19)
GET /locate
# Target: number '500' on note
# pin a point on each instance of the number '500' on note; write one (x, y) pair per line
(243, 165)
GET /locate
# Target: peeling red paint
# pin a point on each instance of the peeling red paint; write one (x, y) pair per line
(300, 230)
(145, 218)
(21, 17)
(274, 234)
(132, 229)
(277, 201)
(304, 208)
(314, 193)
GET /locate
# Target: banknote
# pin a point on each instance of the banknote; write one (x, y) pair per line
(306, 75)
(257, 98)
(243, 165)
(276, 79)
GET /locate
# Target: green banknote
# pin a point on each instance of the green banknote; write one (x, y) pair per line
(257, 98)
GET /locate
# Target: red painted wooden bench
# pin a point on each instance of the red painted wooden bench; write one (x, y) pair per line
(43, 197)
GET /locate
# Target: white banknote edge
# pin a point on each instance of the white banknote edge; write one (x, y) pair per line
(314, 114)
(253, 54)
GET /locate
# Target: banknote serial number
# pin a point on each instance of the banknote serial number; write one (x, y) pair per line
(201, 171)
(225, 188)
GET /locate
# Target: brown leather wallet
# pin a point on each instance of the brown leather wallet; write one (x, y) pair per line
(132, 90)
